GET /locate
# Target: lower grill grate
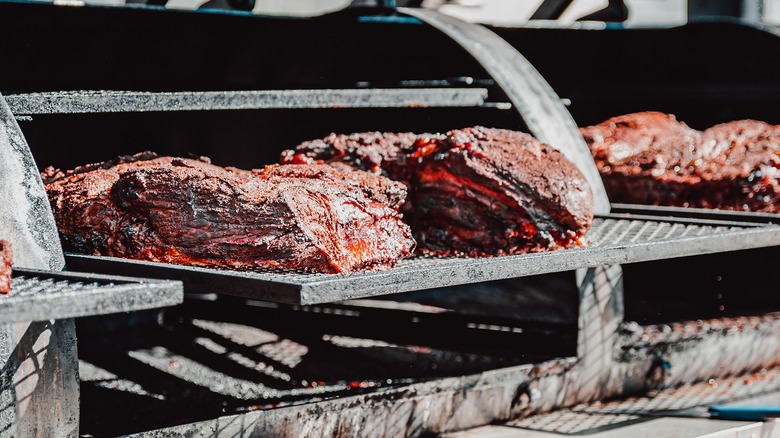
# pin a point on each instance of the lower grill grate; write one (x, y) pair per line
(44, 295)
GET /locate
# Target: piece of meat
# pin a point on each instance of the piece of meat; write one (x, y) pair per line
(6, 260)
(475, 191)
(650, 158)
(184, 211)
(376, 152)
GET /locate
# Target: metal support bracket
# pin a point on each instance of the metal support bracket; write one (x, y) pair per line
(39, 383)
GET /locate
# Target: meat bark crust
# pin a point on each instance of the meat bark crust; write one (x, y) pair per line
(6, 260)
(184, 211)
(476, 191)
(651, 158)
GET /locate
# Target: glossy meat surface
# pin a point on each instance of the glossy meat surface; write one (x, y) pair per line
(184, 211)
(651, 158)
(475, 191)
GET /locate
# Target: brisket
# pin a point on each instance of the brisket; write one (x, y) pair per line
(475, 191)
(651, 158)
(185, 211)
(6, 260)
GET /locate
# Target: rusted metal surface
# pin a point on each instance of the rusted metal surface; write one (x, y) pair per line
(612, 240)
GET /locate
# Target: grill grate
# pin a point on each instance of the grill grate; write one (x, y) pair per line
(612, 240)
(205, 359)
(43, 295)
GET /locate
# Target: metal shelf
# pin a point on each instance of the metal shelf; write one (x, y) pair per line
(45, 295)
(614, 239)
(108, 101)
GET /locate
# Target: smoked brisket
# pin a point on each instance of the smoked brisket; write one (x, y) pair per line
(185, 211)
(475, 191)
(651, 158)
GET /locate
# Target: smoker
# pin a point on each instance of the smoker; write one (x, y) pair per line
(430, 346)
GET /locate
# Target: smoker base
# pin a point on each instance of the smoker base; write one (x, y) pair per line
(223, 368)
(673, 413)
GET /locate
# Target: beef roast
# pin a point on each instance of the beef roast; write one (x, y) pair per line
(651, 158)
(475, 191)
(185, 211)
(6, 260)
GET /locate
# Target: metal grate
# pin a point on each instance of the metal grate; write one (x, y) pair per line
(612, 240)
(206, 359)
(43, 295)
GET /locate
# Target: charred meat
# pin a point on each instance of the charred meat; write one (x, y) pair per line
(475, 191)
(6, 260)
(651, 158)
(186, 211)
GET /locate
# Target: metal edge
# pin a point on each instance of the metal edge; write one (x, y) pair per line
(479, 270)
(696, 213)
(495, 394)
(194, 278)
(113, 101)
(85, 276)
(450, 273)
(99, 300)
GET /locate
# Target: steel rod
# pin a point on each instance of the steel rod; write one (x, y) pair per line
(107, 101)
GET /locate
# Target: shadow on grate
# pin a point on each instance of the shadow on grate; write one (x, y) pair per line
(713, 391)
(575, 423)
(205, 359)
(681, 401)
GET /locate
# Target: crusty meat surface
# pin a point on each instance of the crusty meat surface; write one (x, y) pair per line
(184, 211)
(475, 191)
(6, 260)
(651, 158)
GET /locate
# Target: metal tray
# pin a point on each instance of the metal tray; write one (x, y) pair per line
(44, 295)
(614, 239)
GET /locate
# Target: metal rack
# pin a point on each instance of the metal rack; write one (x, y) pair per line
(47, 295)
(613, 239)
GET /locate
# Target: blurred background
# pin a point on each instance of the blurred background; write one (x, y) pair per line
(506, 12)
